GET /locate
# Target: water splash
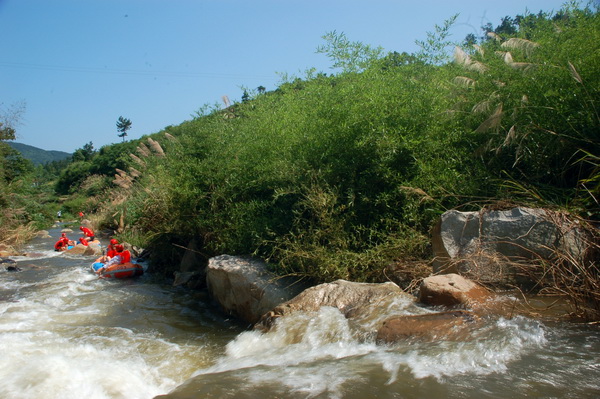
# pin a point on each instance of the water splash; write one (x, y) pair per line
(318, 353)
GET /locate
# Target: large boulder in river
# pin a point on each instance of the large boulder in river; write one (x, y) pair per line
(92, 249)
(245, 288)
(43, 234)
(361, 301)
(496, 246)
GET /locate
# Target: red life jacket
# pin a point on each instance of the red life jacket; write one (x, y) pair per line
(112, 252)
(125, 256)
(83, 241)
(87, 232)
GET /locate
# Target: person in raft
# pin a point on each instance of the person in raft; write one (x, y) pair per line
(110, 252)
(124, 253)
(63, 243)
(122, 256)
(89, 234)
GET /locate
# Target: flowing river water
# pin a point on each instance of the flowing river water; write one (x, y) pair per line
(64, 333)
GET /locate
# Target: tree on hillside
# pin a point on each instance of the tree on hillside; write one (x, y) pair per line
(434, 49)
(245, 96)
(85, 153)
(123, 125)
(6, 132)
(12, 163)
(9, 117)
(346, 55)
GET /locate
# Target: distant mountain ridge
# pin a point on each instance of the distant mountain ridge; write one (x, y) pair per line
(37, 155)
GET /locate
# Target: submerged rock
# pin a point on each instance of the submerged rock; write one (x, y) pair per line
(34, 254)
(452, 325)
(354, 300)
(8, 250)
(9, 264)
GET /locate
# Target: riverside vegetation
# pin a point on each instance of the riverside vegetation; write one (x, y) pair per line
(343, 175)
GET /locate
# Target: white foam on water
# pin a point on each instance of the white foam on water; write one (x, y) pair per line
(57, 341)
(317, 353)
(301, 338)
(39, 254)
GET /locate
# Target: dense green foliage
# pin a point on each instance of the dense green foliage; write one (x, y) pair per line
(337, 176)
(25, 203)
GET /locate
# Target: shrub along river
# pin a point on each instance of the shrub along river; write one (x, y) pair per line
(64, 333)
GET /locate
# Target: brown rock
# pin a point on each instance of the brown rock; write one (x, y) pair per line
(453, 290)
(78, 249)
(34, 254)
(434, 326)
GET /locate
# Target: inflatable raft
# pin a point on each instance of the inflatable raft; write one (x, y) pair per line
(122, 270)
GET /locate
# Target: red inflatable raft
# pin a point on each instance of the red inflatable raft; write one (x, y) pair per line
(122, 270)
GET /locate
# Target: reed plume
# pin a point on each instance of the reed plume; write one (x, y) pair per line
(508, 60)
(494, 36)
(574, 73)
(134, 172)
(123, 181)
(138, 160)
(424, 197)
(155, 145)
(464, 81)
(226, 101)
(479, 49)
(143, 150)
(462, 58)
(524, 45)
(481, 107)
(170, 137)
(493, 121)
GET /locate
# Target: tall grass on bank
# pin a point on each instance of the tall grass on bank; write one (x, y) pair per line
(575, 278)
(12, 231)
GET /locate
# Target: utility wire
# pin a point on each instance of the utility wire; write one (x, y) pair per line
(179, 74)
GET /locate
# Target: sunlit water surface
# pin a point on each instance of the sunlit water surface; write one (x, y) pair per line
(64, 333)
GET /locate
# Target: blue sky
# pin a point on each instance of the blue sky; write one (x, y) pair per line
(78, 65)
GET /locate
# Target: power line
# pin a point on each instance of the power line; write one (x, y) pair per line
(177, 74)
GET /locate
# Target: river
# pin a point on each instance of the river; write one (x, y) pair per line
(64, 333)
